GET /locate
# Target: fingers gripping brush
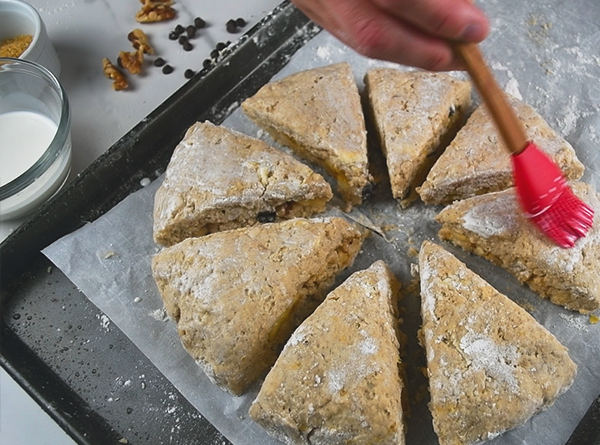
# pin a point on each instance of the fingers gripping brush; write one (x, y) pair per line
(541, 188)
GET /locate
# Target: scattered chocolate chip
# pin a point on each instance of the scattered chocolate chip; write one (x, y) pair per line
(167, 69)
(179, 29)
(159, 61)
(199, 23)
(190, 31)
(231, 27)
(188, 74)
(266, 217)
(206, 63)
(214, 54)
(173, 35)
(187, 46)
(119, 62)
(220, 46)
(182, 39)
(240, 22)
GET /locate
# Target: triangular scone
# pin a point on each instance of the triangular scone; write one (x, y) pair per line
(219, 179)
(491, 365)
(237, 295)
(493, 226)
(415, 113)
(337, 379)
(476, 161)
(318, 114)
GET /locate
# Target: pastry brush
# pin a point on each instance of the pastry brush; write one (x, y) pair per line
(542, 190)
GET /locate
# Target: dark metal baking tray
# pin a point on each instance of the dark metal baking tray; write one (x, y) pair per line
(94, 382)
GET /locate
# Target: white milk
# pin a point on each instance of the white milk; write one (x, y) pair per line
(24, 137)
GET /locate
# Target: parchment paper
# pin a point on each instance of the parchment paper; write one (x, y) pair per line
(542, 52)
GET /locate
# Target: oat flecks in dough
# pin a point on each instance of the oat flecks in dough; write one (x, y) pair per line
(337, 379)
(318, 114)
(219, 179)
(476, 162)
(237, 295)
(491, 366)
(415, 115)
(493, 226)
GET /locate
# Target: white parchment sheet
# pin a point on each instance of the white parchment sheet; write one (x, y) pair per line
(546, 53)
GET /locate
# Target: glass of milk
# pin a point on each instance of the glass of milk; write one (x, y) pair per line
(35, 137)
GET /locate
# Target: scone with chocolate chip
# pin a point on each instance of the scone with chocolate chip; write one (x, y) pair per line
(491, 365)
(416, 114)
(493, 226)
(237, 295)
(219, 179)
(476, 162)
(337, 380)
(318, 114)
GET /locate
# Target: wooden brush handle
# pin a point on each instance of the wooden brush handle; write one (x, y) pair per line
(510, 127)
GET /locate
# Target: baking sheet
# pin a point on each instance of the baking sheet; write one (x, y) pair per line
(556, 71)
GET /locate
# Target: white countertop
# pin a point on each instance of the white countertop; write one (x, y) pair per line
(83, 32)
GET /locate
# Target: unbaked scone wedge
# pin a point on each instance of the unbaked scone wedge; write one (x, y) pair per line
(337, 380)
(220, 179)
(491, 365)
(318, 114)
(237, 295)
(493, 226)
(476, 161)
(415, 115)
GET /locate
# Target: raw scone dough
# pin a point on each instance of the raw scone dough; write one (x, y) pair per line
(237, 295)
(476, 162)
(493, 226)
(491, 365)
(220, 179)
(318, 114)
(337, 380)
(415, 114)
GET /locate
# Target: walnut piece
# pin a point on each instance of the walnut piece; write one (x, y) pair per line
(132, 61)
(139, 40)
(155, 11)
(112, 72)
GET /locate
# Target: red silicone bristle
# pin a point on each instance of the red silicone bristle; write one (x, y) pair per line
(566, 220)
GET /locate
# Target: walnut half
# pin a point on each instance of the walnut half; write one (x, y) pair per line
(139, 40)
(112, 72)
(155, 11)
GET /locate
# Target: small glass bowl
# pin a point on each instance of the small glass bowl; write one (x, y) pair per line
(27, 89)
(17, 18)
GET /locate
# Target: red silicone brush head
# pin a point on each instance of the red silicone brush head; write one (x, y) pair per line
(547, 199)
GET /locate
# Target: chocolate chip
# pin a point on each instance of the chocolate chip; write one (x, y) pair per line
(173, 35)
(188, 74)
(199, 23)
(159, 61)
(231, 27)
(182, 39)
(119, 62)
(167, 69)
(266, 217)
(190, 31)
(206, 63)
(214, 54)
(187, 46)
(240, 22)
(179, 29)
(220, 46)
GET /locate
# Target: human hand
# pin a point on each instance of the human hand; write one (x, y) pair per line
(410, 32)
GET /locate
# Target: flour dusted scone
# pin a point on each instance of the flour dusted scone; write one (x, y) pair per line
(337, 380)
(318, 114)
(493, 226)
(415, 113)
(491, 365)
(220, 179)
(237, 295)
(476, 161)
